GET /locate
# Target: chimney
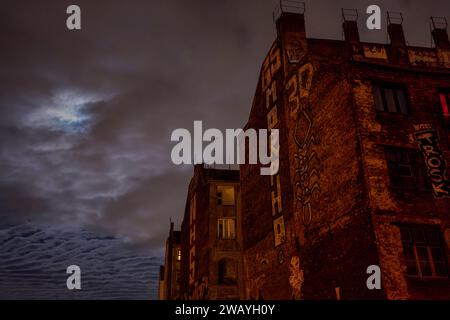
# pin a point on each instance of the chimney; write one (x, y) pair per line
(399, 49)
(351, 32)
(439, 32)
(440, 37)
(290, 22)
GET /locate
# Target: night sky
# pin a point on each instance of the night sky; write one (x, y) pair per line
(86, 117)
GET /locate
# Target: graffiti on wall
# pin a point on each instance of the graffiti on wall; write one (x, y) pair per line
(271, 66)
(306, 178)
(258, 266)
(422, 58)
(296, 278)
(375, 52)
(295, 51)
(428, 141)
(201, 290)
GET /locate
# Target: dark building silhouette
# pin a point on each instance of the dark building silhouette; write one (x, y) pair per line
(170, 274)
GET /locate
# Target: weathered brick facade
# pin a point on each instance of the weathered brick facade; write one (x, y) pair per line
(364, 152)
(211, 251)
(335, 210)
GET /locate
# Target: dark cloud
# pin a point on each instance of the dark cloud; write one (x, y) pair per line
(86, 116)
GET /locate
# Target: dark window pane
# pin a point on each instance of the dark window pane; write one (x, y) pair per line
(437, 254)
(422, 253)
(220, 230)
(419, 235)
(221, 273)
(402, 101)
(219, 198)
(411, 268)
(406, 235)
(390, 100)
(433, 237)
(378, 98)
(409, 253)
(391, 155)
(403, 156)
(441, 269)
(425, 269)
(405, 171)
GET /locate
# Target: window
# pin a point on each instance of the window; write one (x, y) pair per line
(444, 101)
(423, 252)
(406, 169)
(392, 99)
(227, 271)
(226, 229)
(178, 254)
(225, 196)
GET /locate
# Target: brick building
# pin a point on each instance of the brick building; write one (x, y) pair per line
(211, 237)
(364, 149)
(170, 273)
(161, 287)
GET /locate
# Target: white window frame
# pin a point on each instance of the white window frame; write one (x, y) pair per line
(228, 231)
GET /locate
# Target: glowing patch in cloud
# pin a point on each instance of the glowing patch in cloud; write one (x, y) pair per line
(65, 111)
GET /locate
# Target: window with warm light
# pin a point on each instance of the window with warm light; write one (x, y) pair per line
(226, 228)
(225, 196)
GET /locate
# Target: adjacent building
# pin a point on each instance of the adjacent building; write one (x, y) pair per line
(211, 240)
(170, 273)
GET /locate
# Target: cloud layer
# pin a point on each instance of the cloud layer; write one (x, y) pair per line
(34, 263)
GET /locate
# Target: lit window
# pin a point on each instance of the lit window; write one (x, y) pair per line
(444, 99)
(423, 252)
(392, 99)
(178, 254)
(226, 229)
(225, 196)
